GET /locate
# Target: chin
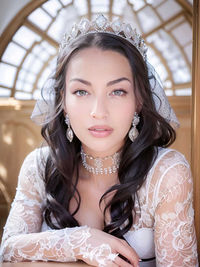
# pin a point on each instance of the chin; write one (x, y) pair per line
(103, 146)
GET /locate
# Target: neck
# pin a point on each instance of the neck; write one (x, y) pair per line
(102, 171)
(102, 182)
(101, 166)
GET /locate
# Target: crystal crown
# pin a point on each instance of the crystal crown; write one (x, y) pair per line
(102, 24)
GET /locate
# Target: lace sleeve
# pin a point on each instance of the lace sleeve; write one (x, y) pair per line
(22, 239)
(175, 238)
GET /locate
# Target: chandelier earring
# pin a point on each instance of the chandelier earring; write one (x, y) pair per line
(133, 133)
(69, 133)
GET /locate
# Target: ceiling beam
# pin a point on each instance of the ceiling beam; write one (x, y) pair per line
(186, 5)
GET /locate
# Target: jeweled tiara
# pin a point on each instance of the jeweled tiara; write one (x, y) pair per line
(102, 24)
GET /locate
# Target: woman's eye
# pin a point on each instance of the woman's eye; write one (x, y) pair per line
(119, 92)
(80, 93)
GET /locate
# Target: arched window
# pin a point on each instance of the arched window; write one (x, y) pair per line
(29, 48)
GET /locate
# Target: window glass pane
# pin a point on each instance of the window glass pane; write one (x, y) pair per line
(118, 7)
(182, 92)
(40, 18)
(27, 87)
(66, 2)
(13, 54)
(7, 75)
(19, 85)
(176, 63)
(26, 37)
(63, 23)
(33, 64)
(28, 61)
(168, 9)
(51, 50)
(100, 6)
(22, 95)
(30, 78)
(81, 7)
(100, 9)
(36, 66)
(56, 30)
(38, 50)
(168, 84)
(137, 4)
(45, 75)
(185, 38)
(181, 76)
(169, 92)
(23, 86)
(4, 92)
(155, 3)
(149, 16)
(52, 7)
(44, 56)
(22, 74)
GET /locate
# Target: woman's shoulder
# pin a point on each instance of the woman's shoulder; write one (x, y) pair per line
(38, 155)
(169, 164)
(34, 163)
(169, 171)
(169, 157)
(32, 170)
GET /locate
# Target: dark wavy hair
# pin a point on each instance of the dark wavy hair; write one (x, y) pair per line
(136, 158)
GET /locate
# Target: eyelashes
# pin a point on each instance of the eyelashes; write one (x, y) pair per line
(80, 93)
(117, 92)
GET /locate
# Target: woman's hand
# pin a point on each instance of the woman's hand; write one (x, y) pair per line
(102, 249)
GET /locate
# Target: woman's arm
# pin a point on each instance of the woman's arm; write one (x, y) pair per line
(23, 241)
(175, 238)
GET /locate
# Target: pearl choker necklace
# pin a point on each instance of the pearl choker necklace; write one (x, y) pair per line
(98, 163)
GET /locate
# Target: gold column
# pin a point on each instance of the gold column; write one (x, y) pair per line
(195, 159)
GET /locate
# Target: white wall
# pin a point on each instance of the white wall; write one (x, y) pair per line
(8, 10)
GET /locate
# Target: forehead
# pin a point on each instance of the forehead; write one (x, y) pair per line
(92, 62)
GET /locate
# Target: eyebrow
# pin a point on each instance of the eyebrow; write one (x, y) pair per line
(108, 84)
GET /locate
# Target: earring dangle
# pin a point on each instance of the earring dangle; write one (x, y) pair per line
(69, 133)
(133, 133)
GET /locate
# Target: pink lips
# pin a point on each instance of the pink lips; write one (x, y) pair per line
(100, 130)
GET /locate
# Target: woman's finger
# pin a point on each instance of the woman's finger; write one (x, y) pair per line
(112, 264)
(128, 253)
(122, 263)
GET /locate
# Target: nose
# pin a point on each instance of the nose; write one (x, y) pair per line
(99, 109)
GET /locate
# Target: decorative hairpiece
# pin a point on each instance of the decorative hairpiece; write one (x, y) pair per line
(102, 24)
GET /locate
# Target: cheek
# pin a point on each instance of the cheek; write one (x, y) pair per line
(78, 112)
(126, 111)
(74, 106)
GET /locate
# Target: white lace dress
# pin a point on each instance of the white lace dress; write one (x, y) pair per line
(163, 228)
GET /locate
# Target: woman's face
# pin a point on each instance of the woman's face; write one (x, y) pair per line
(100, 100)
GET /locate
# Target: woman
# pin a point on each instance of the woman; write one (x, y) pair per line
(105, 189)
